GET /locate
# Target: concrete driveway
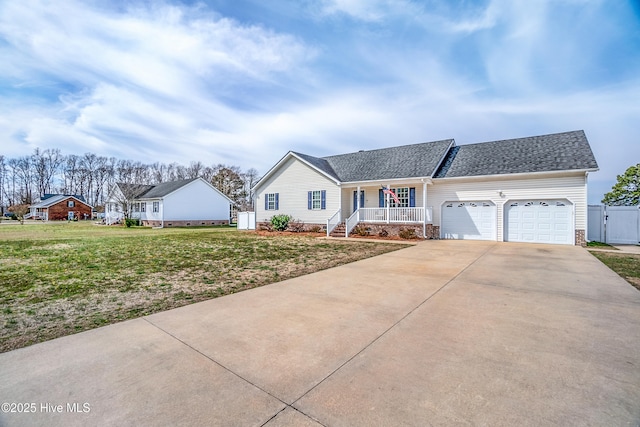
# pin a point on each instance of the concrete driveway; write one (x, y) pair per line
(441, 333)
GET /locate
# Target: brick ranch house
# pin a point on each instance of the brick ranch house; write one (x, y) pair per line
(531, 189)
(52, 207)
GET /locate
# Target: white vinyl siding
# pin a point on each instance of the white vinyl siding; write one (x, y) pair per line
(292, 181)
(557, 186)
(197, 200)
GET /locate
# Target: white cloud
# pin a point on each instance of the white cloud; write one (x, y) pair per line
(157, 75)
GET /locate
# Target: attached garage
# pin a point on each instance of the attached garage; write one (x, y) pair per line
(539, 221)
(472, 220)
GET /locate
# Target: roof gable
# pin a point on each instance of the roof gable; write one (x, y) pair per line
(545, 153)
(53, 199)
(407, 161)
(158, 191)
(165, 188)
(565, 151)
(320, 164)
(142, 191)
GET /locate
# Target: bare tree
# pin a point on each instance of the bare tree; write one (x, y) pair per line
(157, 172)
(71, 174)
(250, 178)
(19, 211)
(46, 165)
(3, 180)
(23, 172)
(122, 195)
(194, 170)
(141, 173)
(102, 175)
(227, 179)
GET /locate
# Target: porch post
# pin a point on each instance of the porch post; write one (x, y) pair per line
(358, 202)
(424, 207)
(388, 204)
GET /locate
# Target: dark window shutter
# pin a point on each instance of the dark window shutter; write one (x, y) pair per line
(380, 198)
(266, 202)
(355, 200)
(412, 197)
(323, 199)
(277, 201)
(362, 198)
(309, 204)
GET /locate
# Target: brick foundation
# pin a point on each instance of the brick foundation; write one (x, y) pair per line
(375, 229)
(580, 238)
(300, 227)
(188, 223)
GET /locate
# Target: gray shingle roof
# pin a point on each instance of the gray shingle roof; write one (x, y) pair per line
(52, 199)
(161, 190)
(153, 191)
(544, 153)
(319, 163)
(133, 190)
(407, 161)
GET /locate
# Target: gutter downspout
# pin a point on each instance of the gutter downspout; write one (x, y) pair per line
(162, 213)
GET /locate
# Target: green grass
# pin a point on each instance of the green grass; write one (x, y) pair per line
(601, 245)
(626, 265)
(62, 278)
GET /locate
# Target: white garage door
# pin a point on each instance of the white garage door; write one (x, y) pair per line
(474, 220)
(539, 221)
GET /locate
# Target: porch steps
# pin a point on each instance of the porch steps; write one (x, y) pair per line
(339, 230)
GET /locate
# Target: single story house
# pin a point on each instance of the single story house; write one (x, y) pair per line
(188, 202)
(531, 189)
(52, 207)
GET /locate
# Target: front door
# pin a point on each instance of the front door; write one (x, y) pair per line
(70, 215)
(355, 201)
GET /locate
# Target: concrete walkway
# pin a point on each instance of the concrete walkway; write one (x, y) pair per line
(441, 333)
(634, 249)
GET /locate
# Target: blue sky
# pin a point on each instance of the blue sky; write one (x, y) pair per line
(242, 82)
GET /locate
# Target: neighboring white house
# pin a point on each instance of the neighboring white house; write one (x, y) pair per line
(188, 202)
(530, 189)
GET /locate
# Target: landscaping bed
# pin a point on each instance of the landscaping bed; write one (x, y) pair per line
(59, 279)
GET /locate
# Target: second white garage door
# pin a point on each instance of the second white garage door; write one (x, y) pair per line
(474, 220)
(539, 221)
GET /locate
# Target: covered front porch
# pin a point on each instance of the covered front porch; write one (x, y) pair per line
(399, 203)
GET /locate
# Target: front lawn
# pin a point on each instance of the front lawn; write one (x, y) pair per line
(60, 278)
(626, 265)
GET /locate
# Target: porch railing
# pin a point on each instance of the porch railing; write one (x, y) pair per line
(395, 215)
(333, 221)
(351, 222)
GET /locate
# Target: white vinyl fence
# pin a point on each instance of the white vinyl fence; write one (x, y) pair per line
(614, 224)
(246, 220)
